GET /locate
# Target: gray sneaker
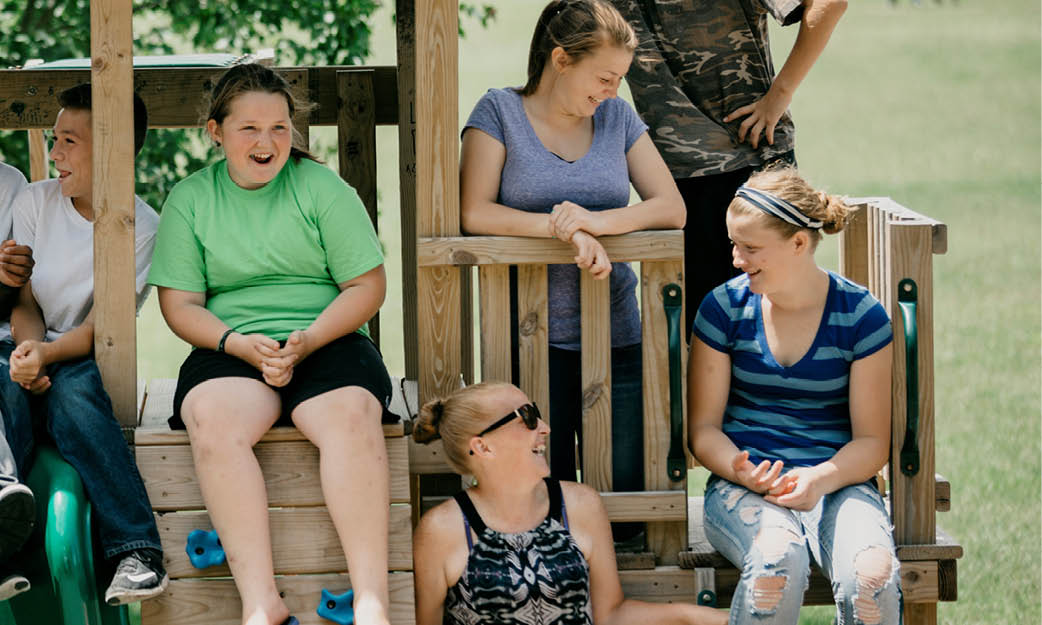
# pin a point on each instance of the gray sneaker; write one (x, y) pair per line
(139, 576)
(12, 584)
(17, 516)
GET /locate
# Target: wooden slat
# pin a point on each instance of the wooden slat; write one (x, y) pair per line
(467, 286)
(533, 334)
(496, 250)
(938, 229)
(494, 289)
(942, 493)
(944, 548)
(427, 459)
(356, 147)
(303, 540)
(115, 342)
(663, 584)
(290, 473)
(913, 499)
(37, 156)
(662, 505)
(665, 539)
(853, 247)
(174, 96)
(438, 289)
(594, 301)
(216, 602)
(405, 23)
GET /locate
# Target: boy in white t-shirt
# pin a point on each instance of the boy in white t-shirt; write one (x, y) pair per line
(52, 374)
(17, 507)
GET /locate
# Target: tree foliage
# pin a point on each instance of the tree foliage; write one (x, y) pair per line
(302, 32)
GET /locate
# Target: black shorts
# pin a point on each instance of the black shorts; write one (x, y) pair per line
(350, 360)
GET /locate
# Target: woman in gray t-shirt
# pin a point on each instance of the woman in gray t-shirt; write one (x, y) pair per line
(555, 158)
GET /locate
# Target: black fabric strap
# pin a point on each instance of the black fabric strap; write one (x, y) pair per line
(469, 511)
(553, 490)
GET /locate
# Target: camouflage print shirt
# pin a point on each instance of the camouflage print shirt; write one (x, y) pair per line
(697, 61)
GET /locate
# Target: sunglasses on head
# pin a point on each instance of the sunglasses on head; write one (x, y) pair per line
(529, 416)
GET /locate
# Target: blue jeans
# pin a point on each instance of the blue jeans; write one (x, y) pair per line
(77, 414)
(627, 420)
(8, 469)
(773, 547)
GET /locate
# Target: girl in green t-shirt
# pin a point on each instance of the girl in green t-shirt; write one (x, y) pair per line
(267, 263)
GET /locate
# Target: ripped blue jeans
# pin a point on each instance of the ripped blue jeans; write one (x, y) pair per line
(848, 534)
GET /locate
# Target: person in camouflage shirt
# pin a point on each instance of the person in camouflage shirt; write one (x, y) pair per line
(704, 82)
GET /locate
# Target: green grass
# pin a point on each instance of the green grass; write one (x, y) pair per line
(938, 107)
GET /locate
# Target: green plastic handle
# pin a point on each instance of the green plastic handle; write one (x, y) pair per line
(676, 463)
(907, 298)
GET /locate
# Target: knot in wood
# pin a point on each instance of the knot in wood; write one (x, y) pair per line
(529, 325)
(463, 257)
(18, 108)
(98, 63)
(591, 394)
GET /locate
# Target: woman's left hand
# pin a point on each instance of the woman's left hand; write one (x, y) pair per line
(27, 362)
(568, 218)
(277, 366)
(763, 116)
(805, 488)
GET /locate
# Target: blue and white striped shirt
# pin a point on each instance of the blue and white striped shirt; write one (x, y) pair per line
(798, 414)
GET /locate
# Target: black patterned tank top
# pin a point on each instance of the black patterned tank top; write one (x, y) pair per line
(538, 577)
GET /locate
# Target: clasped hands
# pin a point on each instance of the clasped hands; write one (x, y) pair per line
(574, 224)
(275, 363)
(799, 489)
(27, 367)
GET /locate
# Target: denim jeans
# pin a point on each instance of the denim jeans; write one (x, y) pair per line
(627, 420)
(8, 468)
(773, 547)
(77, 414)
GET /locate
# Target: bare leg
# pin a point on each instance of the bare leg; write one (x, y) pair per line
(345, 426)
(225, 418)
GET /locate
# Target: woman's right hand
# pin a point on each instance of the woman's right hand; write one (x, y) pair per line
(253, 348)
(764, 478)
(590, 254)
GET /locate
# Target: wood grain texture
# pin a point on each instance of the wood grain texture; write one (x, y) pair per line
(438, 289)
(175, 96)
(665, 539)
(533, 334)
(595, 304)
(115, 340)
(913, 498)
(496, 250)
(216, 602)
(38, 160)
(662, 505)
(853, 247)
(405, 22)
(427, 459)
(303, 540)
(290, 473)
(494, 290)
(356, 147)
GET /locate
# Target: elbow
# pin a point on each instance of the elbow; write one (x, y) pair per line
(678, 213)
(468, 219)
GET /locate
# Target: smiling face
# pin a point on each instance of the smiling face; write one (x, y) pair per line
(763, 253)
(256, 136)
(592, 79)
(513, 442)
(72, 154)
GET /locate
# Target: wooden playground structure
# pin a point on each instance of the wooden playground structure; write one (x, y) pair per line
(884, 247)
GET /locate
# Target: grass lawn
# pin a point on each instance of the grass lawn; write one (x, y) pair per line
(938, 107)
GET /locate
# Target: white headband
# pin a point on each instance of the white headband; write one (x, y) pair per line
(774, 205)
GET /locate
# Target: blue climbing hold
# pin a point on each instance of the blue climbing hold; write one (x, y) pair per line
(204, 549)
(337, 608)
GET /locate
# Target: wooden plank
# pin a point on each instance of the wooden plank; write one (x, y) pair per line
(38, 160)
(216, 602)
(913, 498)
(663, 584)
(633, 561)
(938, 229)
(920, 614)
(438, 289)
(665, 539)
(115, 341)
(662, 505)
(947, 574)
(405, 23)
(494, 289)
(290, 472)
(174, 96)
(944, 548)
(942, 490)
(427, 459)
(533, 335)
(595, 304)
(499, 250)
(853, 247)
(303, 540)
(467, 286)
(356, 147)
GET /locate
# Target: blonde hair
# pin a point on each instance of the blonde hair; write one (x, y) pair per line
(579, 27)
(785, 182)
(455, 420)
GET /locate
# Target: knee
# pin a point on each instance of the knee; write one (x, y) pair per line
(207, 428)
(780, 549)
(875, 575)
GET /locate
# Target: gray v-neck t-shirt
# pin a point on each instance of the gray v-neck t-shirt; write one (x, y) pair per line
(535, 179)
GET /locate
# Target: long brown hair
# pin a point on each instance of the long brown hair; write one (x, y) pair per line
(250, 78)
(579, 27)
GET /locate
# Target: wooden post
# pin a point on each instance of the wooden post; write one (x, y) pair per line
(405, 17)
(37, 156)
(533, 335)
(494, 289)
(595, 304)
(853, 247)
(356, 146)
(437, 191)
(112, 80)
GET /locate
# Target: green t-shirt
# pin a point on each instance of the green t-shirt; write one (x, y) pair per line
(268, 259)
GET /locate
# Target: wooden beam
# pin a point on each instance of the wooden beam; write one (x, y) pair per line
(497, 250)
(115, 343)
(38, 160)
(595, 304)
(853, 247)
(405, 23)
(494, 289)
(660, 505)
(533, 335)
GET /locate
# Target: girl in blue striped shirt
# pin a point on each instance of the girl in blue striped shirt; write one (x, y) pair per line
(789, 398)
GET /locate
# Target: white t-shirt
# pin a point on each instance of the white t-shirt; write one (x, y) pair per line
(11, 184)
(63, 248)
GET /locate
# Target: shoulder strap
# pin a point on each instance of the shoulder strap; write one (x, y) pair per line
(470, 513)
(557, 510)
